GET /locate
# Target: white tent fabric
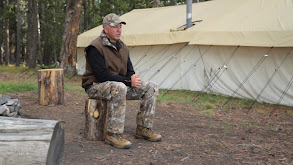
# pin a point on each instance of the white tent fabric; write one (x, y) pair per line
(242, 48)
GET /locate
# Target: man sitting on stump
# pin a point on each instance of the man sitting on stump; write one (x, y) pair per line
(110, 76)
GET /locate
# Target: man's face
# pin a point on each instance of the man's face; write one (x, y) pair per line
(113, 32)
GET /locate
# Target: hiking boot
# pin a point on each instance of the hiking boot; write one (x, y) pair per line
(117, 141)
(147, 134)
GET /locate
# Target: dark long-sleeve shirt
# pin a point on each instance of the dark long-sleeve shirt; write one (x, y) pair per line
(98, 65)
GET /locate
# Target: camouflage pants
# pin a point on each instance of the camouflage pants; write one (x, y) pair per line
(117, 93)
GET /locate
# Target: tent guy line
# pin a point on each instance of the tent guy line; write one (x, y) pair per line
(285, 91)
(247, 77)
(156, 54)
(174, 68)
(146, 53)
(165, 64)
(270, 79)
(193, 65)
(224, 66)
(282, 96)
(165, 49)
(213, 80)
(157, 61)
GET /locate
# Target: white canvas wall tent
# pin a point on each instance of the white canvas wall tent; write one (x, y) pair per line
(239, 48)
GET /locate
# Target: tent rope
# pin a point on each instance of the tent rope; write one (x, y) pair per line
(247, 77)
(193, 65)
(164, 49)
(174, 68)
(213, 80)
(282, 96)
(165, 64)
(157, 61)
(285, 91)
(146, 53)
(179, 79)
(268, 82)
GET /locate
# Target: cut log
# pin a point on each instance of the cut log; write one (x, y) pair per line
(51, 86)
(95, 119)
(31, 141)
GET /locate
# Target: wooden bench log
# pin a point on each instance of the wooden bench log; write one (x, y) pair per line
(95, 119)
(51, 86)
(31, 141)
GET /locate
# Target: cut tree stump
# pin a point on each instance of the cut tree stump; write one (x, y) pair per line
(95, 119)
(51, 86)
(31, 141)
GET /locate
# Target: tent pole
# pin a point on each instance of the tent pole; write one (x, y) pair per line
(188, 13)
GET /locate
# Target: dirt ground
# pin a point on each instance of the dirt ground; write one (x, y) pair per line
(226, 137)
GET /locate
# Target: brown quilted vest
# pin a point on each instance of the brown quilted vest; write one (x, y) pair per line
(115, 59)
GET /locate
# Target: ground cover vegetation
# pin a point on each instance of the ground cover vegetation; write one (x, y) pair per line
(193, 132)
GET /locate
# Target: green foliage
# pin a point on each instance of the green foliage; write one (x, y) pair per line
(72, 87)
(15, 87)
(208, 112)
(13, 69)
(52, 15)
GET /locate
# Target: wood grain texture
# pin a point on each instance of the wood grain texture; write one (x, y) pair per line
(51, 86)
(95, 125)
(30, 141)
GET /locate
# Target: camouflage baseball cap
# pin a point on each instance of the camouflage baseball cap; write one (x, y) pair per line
(112, 20)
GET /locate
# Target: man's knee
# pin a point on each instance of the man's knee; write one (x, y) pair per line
(153, 89)
(118, 88)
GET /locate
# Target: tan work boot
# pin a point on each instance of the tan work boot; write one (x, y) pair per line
(147, 134)
(117, 141)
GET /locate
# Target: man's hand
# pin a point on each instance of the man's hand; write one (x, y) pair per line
(135, 81)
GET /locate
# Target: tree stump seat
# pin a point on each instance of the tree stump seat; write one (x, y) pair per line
(95, 119)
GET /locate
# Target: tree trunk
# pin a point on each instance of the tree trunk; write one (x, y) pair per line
(93, 12)
(54, 44)
(7, 50)
(69, 40)
(39, 39)
(156, 3)
(18, 33)
(32, 34)
(31, 141)
(85, 15)
(1, 30)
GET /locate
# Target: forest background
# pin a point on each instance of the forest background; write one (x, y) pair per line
(43, 33)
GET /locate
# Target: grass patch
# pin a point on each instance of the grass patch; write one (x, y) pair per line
(71, 87)
(208, 112)
(8, 87)
(13, 69)
(248, 124)
(201, 101)
(81, 95)
(179, 96)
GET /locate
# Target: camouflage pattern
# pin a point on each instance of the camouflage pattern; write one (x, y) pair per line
(112, 20)
(117, 93)
(106, 41)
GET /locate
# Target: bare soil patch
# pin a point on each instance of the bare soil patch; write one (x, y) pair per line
(229, 136)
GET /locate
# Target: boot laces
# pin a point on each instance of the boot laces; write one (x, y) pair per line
(149, 131)
(119, 137)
